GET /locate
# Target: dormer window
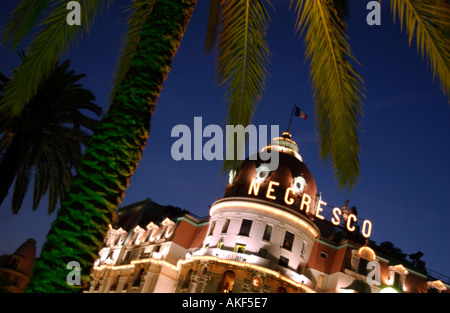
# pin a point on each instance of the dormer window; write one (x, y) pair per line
(397, 275)
(436, 286)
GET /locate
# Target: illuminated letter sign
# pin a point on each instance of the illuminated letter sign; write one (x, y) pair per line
(305, 205)
(255, 187)
(306, 200)
(319, 209)
(351, 217)
(366, 228)
(288, 200)
(270, 190)
(335, 219)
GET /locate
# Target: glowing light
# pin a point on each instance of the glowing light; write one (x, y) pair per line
(246, 266)
(167, 221)
(388, 290)
(399, 268)
(305, 202)
(299, 184)
(366, 228)
(288, 200)
(254, 185)
(437, 284)
(367, 253)
(151, 225)
(270, 190)
(350, 218)
(335, 219)
(320, 209)
(267, 209)
(231, 176)
(283, 149)
(132, 265)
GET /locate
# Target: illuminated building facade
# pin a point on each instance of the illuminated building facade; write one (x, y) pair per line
(268, 234)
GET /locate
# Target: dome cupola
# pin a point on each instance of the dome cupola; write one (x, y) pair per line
(286, 185)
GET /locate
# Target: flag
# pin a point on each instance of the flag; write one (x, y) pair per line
(300, 113)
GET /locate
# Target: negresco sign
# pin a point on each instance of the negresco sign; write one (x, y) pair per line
(305, 205)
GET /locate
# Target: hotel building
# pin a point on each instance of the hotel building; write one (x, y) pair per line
(267, 234)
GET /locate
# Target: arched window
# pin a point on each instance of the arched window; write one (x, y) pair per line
(138, 280)
(281, 290)
(227, 283)
(187, 280)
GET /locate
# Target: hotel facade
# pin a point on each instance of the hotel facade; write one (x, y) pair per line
(267, 234)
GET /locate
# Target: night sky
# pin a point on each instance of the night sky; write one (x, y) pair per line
(404, 184)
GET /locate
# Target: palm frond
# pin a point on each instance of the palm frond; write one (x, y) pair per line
(213, 23)
(53, 129)
(20, 188)
(337, 87)
(429, 21)
(48, 45)
(40, 186)
(242, 55)
(141, 10)
(21, 20)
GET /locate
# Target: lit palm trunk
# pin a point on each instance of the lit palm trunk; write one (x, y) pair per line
(112, 154)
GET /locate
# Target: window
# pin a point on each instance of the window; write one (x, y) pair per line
(225, 226)
(14, 263)
(138, 280)
(267, 233)
(323, 254)
(262, 253)
(397, 281)
(362, 268)
(127, 256)
(256, 281)
(288, 241)
(227, 283)
(397, 275)
(302, 252)
(187, 280)
(211, 230)
(239, 248)
(245, 227)
(283, 261)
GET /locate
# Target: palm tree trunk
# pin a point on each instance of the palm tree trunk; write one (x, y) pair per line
(112, 154)
(8, 166)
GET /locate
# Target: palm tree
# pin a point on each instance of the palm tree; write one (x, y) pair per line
(46, 138)
(114, 150)
(238, 29)
(156, 28)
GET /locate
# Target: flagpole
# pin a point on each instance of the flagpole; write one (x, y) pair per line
(292, 114)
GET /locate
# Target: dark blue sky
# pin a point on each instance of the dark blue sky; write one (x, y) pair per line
(404, 185)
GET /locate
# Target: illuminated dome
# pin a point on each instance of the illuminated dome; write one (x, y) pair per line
(291, 173)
